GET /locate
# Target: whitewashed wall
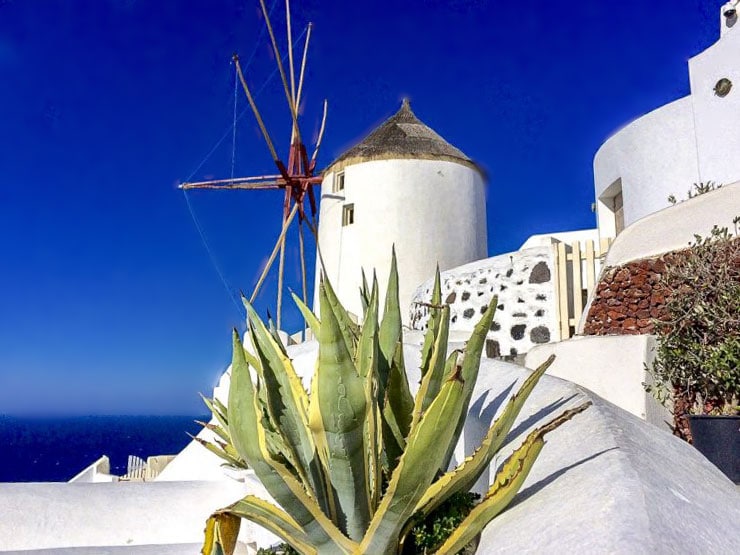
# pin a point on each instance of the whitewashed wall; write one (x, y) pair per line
(694, 139)
(433, 211)
(654, 156)
(612, 366)
(717, 119)
(527, 305)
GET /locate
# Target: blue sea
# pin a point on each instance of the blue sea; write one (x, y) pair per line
(55, 449)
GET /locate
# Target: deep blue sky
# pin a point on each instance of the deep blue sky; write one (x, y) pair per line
(109, 302)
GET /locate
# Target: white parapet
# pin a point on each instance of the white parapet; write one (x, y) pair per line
(674, 227)
(612, 366)
(99, 471)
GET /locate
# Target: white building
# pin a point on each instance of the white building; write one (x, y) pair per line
(691, 140)
(402, 185)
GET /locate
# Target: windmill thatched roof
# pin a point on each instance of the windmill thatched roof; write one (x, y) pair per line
(402, 136)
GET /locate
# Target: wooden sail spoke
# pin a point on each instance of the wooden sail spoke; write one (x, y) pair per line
(278, 60)
(274, 182)
(296, 177)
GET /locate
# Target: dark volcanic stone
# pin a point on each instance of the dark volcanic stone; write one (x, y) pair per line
(539, 313)
(493, 349)
(465, 295)
(541, 297)
(495, 326)
(540, 273)
(469, 312)
(540, 334)
(517, 332)
(509, 272)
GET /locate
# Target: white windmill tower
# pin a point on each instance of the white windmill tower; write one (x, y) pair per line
(402, 185)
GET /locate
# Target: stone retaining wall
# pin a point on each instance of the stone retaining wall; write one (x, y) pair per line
(628, 299)
(527, 304)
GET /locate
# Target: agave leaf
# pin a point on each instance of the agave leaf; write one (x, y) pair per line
(220, 407)
(341, 394)
(219, 452)
(209, 541)
(364, 294)
(316, 425)
(398, 395)
(393, 386)
(220, 417)
(350, 330)
(435, 317)
(416, 469)
(272, 328)
(273, 519)
(222, 531)
(366, 358)
(287, 405)
(277, 370)
(467, 473)
(216, 429)
(508, 481)
(431, 381)
(393, 441)
(470, 366)
(313, 322)
(390, 326)
(367, 366)
(249, 438)
(230, 451)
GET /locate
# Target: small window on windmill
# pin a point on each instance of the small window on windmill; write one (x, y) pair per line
(339, 182)
(348, 214)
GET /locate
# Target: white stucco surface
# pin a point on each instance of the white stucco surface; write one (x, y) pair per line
(694, 139)
(194, 463)
(124, 514)
(612, 366)
(674, 227)
(433, 211)
(545, 239)
(653, 157)
(717, 118)
(98, 471)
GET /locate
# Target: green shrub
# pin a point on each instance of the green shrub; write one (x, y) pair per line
(699, 337)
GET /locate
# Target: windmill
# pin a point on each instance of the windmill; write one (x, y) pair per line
(296, 178)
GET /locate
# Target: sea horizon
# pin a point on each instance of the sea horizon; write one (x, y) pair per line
(54, 448)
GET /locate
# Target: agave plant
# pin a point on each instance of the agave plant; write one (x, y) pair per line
(357, 462)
